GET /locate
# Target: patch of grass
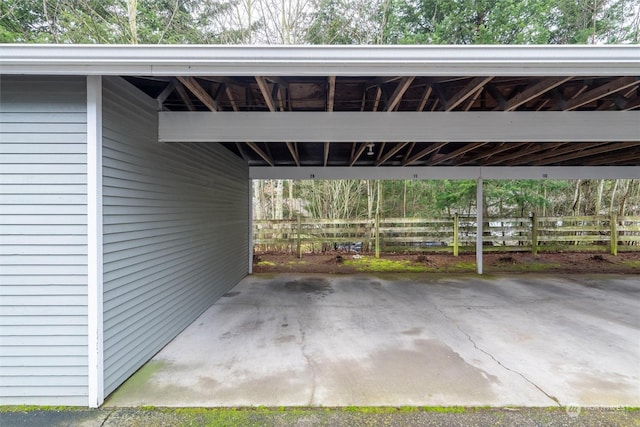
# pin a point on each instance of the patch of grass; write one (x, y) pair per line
(631, 263)
(297, 262)
(266, 264)
(462, 265)
(380, 265)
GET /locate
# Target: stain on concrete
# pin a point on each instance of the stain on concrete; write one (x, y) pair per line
(413, 331)
(231, 294)
(284, 339)
(430, 371)
(605, 389)
(309, 285)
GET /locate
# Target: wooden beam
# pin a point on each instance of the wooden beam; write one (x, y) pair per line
(534, 91)
(407, 153)
(326, 153)
(184, 96)
(601, 91)
(192, 84)
(576, 154)
(396, 97)
(391, 153)
(627, 156)
(376, 103)
(632, 104)
(533, 148)
(380, 151)
(358, 153)
(266, 94)
(459, 152)
(470, 89)
(294, 152)
(277, 94)
(424, 152)
(425, 98)
(260, 152)
(471, 100)
(500, 148)
(497, 95)
(229, 94)
(331, 93)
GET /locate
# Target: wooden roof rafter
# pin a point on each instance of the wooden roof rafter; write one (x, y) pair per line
(266, 157)
(424, 152)
(470, 89)
(576, 154)
(532, 92)
(466, 148)
(194, 87)
(601, 91)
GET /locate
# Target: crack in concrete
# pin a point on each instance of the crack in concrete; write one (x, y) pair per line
(106, 418)
(310, 362)
(524, 377)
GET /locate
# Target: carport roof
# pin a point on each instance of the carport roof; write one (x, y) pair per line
(381, 79)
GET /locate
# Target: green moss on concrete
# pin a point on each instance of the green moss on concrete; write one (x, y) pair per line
(380, 265)
(138, 380)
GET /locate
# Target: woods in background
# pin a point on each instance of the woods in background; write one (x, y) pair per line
(358, 199)
(320, 21)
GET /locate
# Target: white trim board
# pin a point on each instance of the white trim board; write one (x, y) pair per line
(517, 126)
(444, 60)
(446, 172)
(94, 241)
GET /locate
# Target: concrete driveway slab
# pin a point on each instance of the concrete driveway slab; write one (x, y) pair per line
(292, 340)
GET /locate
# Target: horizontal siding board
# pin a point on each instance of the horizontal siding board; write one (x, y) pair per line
(43, 261)
(25, 249)
(41, 320)
(77, 117)
(43, 361)
(175, 231)
(57, 351)
(38, 139)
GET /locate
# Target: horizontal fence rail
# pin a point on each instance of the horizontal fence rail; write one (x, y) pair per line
(447, 234)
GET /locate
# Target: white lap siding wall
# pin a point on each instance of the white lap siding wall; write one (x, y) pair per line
(175, 230)
(43, 241)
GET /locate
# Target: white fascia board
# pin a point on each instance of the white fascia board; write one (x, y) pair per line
(517, 126)
(446, 172)
(225, 60)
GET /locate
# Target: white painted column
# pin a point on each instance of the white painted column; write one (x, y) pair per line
(479, 220)
(250, 231)
(94, 241)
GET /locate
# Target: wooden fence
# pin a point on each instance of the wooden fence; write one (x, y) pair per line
(448, 234)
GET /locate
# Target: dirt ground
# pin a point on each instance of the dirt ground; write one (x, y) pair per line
(511, 262)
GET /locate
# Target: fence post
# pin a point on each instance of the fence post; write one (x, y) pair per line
(298, 237)
(534, 234)
(614, 234)
(377, 235)
(456, 233)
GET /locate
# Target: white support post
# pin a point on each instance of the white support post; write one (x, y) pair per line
(250, 231)
(94, 242)
(479, 219)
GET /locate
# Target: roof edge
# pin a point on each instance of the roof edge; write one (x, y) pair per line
(373, 60)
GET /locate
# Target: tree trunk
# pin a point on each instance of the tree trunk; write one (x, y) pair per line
(575, 206)
(599, 197)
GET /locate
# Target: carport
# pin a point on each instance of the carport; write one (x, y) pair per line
(146, 154)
